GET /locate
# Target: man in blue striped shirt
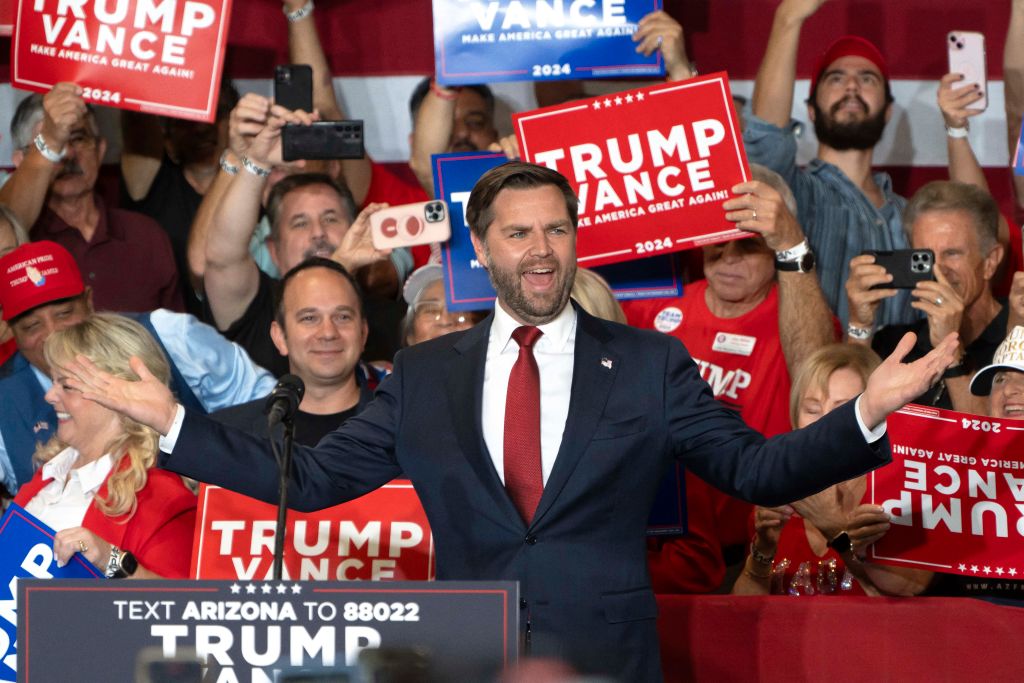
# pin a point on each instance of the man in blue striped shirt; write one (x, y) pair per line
(844, 208)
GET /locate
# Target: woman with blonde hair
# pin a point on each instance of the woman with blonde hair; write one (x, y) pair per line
(592, 292)
(97, 486)
(816, 546)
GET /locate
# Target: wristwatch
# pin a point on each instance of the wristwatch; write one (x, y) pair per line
(841, 543)
(799, 259)
(121, 564)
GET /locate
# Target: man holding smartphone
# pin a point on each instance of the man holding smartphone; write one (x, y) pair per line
(844, 207)
(959, 223)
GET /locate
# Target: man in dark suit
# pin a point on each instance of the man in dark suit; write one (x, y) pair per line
(547, 485)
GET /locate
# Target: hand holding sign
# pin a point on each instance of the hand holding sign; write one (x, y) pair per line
(64, 109)
(658, 30)
(80, 540)
(894, 383)
(759, 208)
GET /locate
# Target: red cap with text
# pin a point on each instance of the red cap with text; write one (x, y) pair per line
(37, 273)
(848, 46)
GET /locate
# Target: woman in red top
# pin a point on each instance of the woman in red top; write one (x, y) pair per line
(815, 546)
(97, 486)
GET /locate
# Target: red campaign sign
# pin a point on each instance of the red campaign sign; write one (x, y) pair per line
(383, 536)
(955, 492)
(651, 166)
(156, 56)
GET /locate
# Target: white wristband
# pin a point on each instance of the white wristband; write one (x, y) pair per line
(301, 13)
(48, 154)
(955, 132)
(861, 333)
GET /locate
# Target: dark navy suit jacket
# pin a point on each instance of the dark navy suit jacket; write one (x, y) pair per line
(636, 403)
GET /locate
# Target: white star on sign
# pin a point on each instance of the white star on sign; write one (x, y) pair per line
(235, 589)
(618, 100)
(629, 98)
(282, 589)
(999, 570)
(1012, 571)
(250, 589)
(607, 103)
(987, 570)
(962, 567)
(639, 97)
(267, 588)
(974, 568)
(296, 589)
(597, 105)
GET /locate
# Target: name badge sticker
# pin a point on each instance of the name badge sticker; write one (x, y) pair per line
(739, 344)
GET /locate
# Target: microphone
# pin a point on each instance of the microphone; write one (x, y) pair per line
(284, 399)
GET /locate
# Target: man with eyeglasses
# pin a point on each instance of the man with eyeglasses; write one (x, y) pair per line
(428, 316)
(124, 256)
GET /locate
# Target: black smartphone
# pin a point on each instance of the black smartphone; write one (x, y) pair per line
(293, 86)
(323, 140)
(907, 267)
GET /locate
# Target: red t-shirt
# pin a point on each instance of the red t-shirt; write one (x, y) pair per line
(741, 359)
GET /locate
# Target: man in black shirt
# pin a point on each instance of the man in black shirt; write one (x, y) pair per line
(960, 224)
(320, 326)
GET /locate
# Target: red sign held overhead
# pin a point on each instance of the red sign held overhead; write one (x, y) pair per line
(955, 493)
(651, 166)
(383, 535)
(157, 56)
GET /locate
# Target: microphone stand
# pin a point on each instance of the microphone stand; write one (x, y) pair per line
(284, 462)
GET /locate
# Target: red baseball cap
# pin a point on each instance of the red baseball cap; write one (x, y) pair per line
(37, 273)
(848, 46)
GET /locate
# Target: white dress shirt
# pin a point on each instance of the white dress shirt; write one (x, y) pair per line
(554, 354)
(62, 503)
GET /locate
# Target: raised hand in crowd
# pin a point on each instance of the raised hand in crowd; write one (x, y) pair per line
(659, 31)
(944, 307)
(356, 249)
(255, 128)
(863, 300)
(955, 98)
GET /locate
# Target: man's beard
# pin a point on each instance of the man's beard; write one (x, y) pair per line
(859, 135)
(535, 310)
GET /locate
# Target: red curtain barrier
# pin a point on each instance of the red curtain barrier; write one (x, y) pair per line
(779, 638)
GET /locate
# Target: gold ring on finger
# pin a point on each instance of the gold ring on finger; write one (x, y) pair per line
(82, 547)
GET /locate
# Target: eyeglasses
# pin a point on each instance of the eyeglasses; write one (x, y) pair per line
(434, 312)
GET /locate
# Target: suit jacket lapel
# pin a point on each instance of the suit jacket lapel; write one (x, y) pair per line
(594, 369)
(465, 386)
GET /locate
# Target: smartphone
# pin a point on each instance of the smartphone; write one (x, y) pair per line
(293, 86)
(967, 57)
(410, 224)
(323, 140)
(907, 267)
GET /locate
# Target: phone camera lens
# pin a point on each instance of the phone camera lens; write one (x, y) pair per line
(952, 39)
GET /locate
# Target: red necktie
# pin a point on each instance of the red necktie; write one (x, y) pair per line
(523, 478)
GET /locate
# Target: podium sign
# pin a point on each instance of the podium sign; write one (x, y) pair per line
(84, 631)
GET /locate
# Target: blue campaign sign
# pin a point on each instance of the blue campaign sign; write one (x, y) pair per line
(26, 552)
(485, 41)
(1018, 156)
(466, 284)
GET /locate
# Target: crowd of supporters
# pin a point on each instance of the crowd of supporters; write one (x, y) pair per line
(231, 267)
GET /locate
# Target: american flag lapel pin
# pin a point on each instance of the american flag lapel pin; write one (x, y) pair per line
(607, 362)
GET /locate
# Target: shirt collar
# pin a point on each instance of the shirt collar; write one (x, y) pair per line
(557, 333)
(52, 224)
(91, 475)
